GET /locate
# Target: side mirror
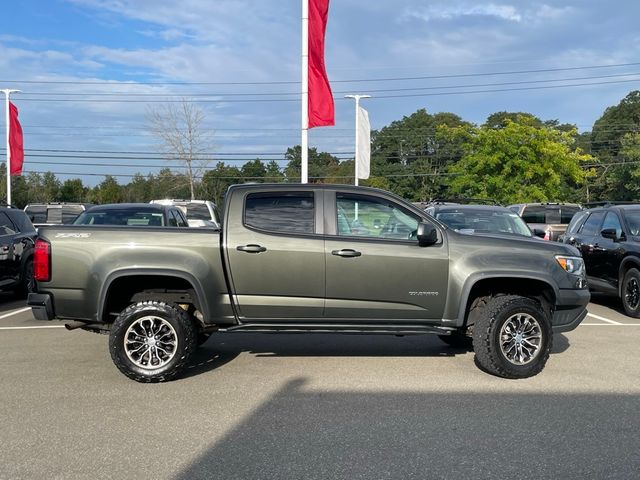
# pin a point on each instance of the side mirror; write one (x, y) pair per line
(427, 234)
(538, 232)
(610, 233)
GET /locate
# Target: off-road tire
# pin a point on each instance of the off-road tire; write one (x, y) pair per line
(173, 320)
(489, 354)
(457, 340)
(630, 293)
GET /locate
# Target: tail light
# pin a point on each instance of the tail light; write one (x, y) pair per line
(42, 261)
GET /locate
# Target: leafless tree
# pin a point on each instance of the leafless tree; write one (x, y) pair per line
(179, 127)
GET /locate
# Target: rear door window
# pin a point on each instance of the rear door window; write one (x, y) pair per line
(6, 225)
(281, 212)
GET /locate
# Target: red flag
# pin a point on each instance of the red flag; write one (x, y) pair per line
(321, 113)
(15, 141)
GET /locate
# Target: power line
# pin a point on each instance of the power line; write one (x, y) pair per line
(198, 95)
(389, 79)
(377, 97)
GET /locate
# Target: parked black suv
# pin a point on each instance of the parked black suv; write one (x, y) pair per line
(609, 239)
(17, 239)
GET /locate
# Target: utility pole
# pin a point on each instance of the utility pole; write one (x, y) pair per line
(357, 99)
(7, 92)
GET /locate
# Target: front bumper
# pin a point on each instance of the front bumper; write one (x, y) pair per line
(571, 309)
(41, 306)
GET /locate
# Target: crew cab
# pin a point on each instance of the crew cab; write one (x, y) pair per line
(306, 259)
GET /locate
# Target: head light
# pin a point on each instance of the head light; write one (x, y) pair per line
(573, 265)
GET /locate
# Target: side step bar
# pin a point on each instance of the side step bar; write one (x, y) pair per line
(386, 329)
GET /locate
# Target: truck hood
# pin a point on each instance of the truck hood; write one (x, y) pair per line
(512, 241)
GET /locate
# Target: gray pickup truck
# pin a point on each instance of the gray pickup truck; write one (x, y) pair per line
(303, 259)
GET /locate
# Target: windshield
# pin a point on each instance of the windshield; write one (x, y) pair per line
(484, 221)
(125, 216)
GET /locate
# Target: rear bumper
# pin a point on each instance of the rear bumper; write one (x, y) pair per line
(571, 309)
(41, 306)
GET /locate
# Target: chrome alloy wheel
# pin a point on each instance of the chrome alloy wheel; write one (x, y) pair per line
(150, 342)
(632, 293)
(520, 339)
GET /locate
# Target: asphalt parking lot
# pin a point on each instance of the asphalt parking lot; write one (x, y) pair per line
(320, 407)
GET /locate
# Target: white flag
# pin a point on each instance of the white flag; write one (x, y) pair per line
(364, 143)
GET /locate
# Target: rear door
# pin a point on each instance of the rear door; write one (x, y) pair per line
(376, 272)
(275, 253)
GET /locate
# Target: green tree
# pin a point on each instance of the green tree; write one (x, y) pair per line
(409, 156)
(320, 164)
(521, 162)
(108, 191)
(139, 189)
(215, 182)
(273, 173)
(254, 171)
(72, 190)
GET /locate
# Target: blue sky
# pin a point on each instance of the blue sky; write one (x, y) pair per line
(159, 49)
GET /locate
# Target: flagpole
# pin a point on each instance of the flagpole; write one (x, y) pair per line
(7, 92)
(357, 99)
(304, 142)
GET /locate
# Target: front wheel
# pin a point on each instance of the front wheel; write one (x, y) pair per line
(152, 341)
(512, 337)
(631, 293)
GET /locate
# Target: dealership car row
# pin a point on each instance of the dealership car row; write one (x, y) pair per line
(606, 234)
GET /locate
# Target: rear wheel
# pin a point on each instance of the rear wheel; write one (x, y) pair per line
(512, 338)
(152, 341)
(631, 293)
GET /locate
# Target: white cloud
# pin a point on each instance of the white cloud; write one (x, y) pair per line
(451, 12)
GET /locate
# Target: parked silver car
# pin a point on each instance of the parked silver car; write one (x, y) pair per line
(199, 213)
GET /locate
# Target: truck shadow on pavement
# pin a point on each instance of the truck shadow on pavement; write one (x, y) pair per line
(609, 301)
(222, 348)
(302, 432)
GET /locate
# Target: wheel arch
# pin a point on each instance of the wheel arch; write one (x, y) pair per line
(120, 288)
(627, 264)
(536, 288)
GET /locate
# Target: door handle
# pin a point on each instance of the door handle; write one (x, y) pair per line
(346, 252)
(251, 248)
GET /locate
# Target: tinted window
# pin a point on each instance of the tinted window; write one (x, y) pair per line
(612, 221)
(283, 212)
(123, 216)
(590, 227)
(534, 214)
(37, 213)
(198, 211)
(70, 213)
(567, 213)
(6, 225)
(576, 222)
(633, 221)
(371, 217)
(550, 214)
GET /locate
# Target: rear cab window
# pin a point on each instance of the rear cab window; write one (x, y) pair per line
(281, 212)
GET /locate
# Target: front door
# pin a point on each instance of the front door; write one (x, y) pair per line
(376, 271)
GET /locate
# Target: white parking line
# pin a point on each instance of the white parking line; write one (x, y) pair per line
(31, 328)
(14, 312)
(610, 324)
(598, 317)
